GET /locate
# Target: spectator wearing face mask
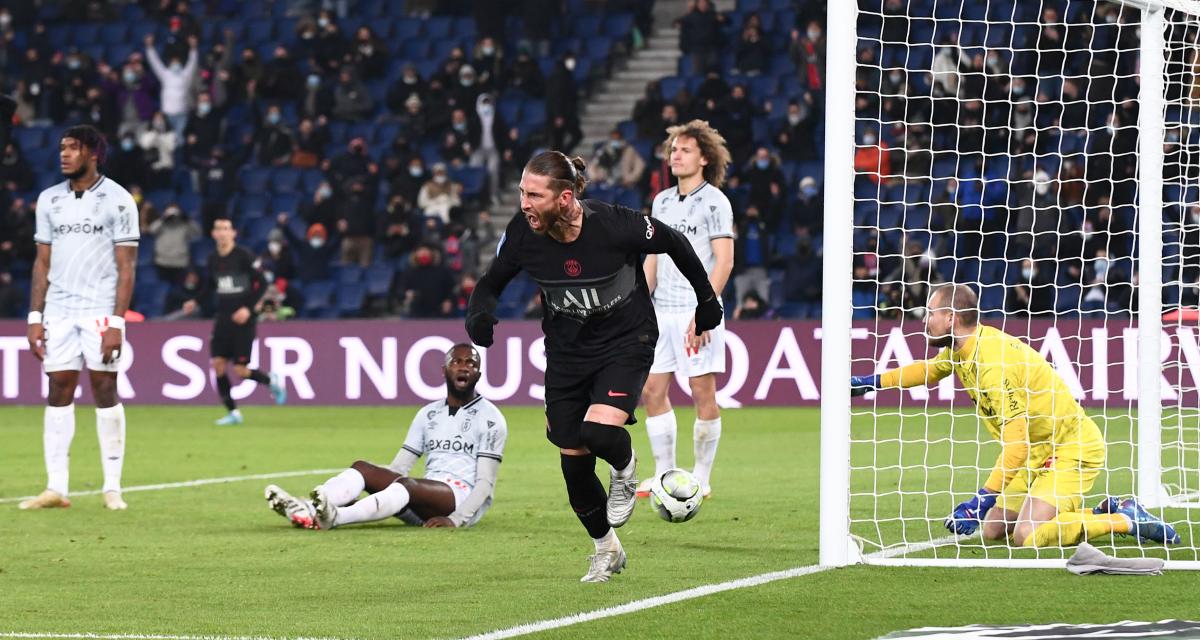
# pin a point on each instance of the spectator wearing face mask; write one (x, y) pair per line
(426, 288)
(807, 52)
(313, 252)
(439, 196)
(370, 53)
(872, 157)
(396, 228)
(808, 210)
(173, 235)
(134, 97)
(491, 136)
(317, 99)
(309, 144)
(795, 138)
(159, 143)
(203, 131)
(322, 209)
(408, 84)
(274, 141)
(616, 163)
(408, 182)
(765, 180)
(562, 104)
(277, 259)
(354, 164)
(176, 78)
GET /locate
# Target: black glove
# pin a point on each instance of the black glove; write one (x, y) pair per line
(479, 327)
(708, 315)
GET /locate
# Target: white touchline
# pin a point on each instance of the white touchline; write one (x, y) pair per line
(194, 483)
(689, 594)
(147, 636)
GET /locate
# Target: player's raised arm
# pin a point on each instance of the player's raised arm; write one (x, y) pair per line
(660, 238)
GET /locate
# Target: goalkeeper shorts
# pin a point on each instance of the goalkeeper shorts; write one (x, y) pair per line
(1062, 483)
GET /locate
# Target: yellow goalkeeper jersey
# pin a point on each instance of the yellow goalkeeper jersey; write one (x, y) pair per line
(1011, 384)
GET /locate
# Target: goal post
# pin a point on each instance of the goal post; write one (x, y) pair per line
(1048, 155)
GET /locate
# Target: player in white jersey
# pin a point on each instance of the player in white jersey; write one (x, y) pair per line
(87, 237)
(697, 209)
(462, 439)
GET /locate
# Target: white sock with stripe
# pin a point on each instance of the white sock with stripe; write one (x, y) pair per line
(706, 434)
(58, 429)
(110, 431)
(376, 506)
(343, 488)
(661, 431)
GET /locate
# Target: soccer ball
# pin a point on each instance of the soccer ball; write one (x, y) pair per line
(675, 495)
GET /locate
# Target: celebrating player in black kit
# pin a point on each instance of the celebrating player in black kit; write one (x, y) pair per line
(600, 330)
(239, 286)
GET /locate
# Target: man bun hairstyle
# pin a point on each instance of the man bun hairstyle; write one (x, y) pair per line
(713, 148)
(564, 173)
(90, 137)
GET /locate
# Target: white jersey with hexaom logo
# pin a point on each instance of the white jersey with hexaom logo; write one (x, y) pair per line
(451, 443)
(701, 216)
(81, 229)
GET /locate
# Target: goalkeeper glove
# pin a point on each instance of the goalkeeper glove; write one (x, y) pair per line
(861, 385)
(479, 327)
(965, 518)
(708, 314)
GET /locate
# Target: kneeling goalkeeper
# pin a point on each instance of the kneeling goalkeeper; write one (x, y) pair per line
(1051, 450)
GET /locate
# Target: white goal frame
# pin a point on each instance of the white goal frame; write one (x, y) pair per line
(837, 546)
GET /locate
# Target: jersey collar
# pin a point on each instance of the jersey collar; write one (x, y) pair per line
(968, 346)
(682, 197)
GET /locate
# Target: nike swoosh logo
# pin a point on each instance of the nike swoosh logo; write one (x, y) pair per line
(617, 394)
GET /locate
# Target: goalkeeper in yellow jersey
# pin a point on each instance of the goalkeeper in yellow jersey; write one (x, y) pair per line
(1051, 451)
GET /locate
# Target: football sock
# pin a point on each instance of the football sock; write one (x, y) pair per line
(661, 431)
(706, 434)
(58, 429)
(1073, 527)
(259, 377)
(110, 430)
(343, 488)
(611, 444)
(376, 506)
(607, 541)
(223, 388)
(585, 493)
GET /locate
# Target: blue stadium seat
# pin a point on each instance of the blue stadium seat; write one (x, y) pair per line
(285, 203)
(618, 25)
(318, 297)
(28, 138)
(285, 180)
(415, 49)
(114, 33)
(407, 30)
(312, 179)
(251, 205)
(260, 31)
(533, 114)
(379, 280)
(350, 274)
(438, 28)
(145, 253)
(509, 108)
(255, 179)
(670, 85)
(350, 297)
(473, 180)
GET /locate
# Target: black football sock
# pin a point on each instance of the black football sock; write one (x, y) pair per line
(611, 443)
(223, 388)
(259, 377)
(586, 494)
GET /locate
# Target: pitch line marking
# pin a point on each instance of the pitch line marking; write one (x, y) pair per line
(689, 594)
(145, 636)
(191, 483)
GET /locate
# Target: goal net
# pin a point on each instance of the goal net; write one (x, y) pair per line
(1047, 154)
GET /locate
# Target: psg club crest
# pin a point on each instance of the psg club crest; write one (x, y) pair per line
(573, 268)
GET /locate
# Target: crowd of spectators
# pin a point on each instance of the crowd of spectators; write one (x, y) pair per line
(348, 155)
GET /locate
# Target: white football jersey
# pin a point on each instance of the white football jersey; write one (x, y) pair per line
(451, 443)
(81, 229)
(701, 216)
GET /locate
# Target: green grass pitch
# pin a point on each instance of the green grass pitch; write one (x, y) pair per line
(213, 560)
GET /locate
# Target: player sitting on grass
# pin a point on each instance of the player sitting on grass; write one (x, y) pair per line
(464, 438)
(1051, 450)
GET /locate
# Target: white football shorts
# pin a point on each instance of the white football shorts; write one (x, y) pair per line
(672, 353)
(70, 342)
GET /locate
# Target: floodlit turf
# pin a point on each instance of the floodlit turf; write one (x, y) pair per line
(214, 560)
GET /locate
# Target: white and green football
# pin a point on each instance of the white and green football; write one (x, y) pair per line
(675, 495)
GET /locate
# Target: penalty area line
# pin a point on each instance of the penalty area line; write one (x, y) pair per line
(182, 485)
(690, 594)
